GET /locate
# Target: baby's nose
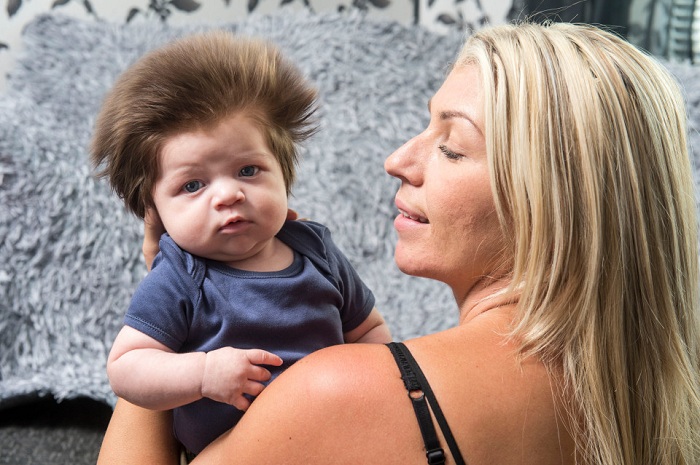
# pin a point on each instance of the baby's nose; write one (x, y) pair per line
(227, 194)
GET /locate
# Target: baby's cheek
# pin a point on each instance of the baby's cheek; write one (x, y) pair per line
(187, 233)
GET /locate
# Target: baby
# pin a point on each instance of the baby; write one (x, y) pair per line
(203, 134)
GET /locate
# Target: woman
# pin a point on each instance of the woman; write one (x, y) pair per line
(552, 192)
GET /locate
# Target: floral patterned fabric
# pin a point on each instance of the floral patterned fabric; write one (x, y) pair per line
(663, 27)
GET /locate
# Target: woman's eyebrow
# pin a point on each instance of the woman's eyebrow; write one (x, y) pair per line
(449, 114)
(445, 115)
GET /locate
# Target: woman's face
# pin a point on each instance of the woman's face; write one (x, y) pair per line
(447, 227)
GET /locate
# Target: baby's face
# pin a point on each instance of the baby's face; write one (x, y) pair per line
(221, 193)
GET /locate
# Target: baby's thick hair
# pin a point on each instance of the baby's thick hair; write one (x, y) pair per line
(194, 83)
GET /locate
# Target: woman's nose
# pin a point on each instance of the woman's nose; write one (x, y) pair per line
(228, 193)
(403, 163)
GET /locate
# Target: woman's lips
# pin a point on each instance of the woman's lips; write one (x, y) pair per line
(408, 219)
(407, 213)
(417, 218)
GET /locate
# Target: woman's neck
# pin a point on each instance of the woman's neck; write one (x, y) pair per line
(487, 294)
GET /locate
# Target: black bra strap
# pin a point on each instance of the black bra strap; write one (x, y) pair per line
(418, 389)
(434, 453)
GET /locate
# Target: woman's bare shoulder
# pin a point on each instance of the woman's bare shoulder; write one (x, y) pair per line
(503, 408)
(348, 402)
(342, 404)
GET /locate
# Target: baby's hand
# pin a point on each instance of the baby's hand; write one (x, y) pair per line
(229, 373)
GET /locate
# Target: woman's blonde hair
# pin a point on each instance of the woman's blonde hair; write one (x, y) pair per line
(592, 179)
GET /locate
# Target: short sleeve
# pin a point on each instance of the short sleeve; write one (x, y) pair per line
(358, 299)
(163, 303)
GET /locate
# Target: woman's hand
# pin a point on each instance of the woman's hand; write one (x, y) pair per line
(292, 215)
(152, 230)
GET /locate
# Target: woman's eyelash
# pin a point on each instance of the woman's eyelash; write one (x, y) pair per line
(449, 153)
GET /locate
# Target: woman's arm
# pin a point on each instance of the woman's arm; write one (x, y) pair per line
(331, 410)
(341, 405)
(138, 436)
(347, 404)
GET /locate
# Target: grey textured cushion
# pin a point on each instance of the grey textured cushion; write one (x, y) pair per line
(70, 255)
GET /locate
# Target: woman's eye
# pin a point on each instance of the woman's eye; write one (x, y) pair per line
(449, 153)
(249, 171)
(192, 186)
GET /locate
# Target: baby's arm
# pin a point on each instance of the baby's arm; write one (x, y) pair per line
(147, 373)
(374, 330)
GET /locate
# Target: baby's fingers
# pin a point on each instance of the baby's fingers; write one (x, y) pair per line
(241, 403)
(263, 357)
(252, 388)
(257, 373)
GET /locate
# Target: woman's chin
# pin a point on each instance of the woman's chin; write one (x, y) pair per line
(411, 264)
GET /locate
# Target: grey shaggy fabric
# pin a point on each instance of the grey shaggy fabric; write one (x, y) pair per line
(70, 254)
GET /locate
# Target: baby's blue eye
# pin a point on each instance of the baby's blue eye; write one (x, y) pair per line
(193, 186)
(249, 171)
